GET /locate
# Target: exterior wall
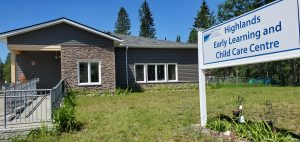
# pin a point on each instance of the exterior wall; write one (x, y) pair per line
(46, 68)
(61, 34)
(187, 60)
(70, 55)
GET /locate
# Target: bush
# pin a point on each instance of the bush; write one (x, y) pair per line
(219, 125)
(42, 134)
(254, 131)
(121, 92)
(64, 117)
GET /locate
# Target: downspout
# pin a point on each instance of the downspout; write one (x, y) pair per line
(126, 56)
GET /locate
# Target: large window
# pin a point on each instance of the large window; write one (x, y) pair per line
(89, 73)
(155, 72)
(172, 72)
(161, 70)
(151, 72)
(140, 73)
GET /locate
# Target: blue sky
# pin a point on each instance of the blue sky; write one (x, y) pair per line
(171, 17)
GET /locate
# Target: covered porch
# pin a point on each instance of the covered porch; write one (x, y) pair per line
(32, 61)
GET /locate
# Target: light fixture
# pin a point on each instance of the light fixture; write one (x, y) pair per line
(57, 55)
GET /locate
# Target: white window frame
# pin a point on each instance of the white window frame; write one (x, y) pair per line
(176, 72)
(89, 83)
(156, 74)
(145, 78)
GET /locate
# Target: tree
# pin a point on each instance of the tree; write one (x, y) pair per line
(147, 28)
(6, 69)
(122, 25)
(233, 8)
(193, 37)
(204, 20)
(178, 39)
(283, 72)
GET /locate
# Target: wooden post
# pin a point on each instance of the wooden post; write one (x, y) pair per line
(13, 66)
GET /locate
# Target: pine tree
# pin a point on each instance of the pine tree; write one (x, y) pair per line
(204, 17)
(122, 25)
(193, 37)
(147, 28)
(178, 38)
(204, 20)
(233, 8)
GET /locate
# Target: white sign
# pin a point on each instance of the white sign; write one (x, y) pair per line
(266, 34)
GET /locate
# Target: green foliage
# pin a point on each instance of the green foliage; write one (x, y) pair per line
(122, 25)
(64, 117)
(254, 131)
(282, 72)
(166, 115)
(204, 20)
(147, 28)
(232, 8)
(122, 92)
(193, 37)
(42, 134)
(178, 39)
(6, 69)
(219, 125)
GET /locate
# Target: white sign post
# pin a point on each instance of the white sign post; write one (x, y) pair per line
(266, 34)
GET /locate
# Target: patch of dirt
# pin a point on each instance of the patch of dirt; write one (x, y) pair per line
(227, 136)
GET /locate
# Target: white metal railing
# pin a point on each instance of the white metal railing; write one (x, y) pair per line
(29, 105)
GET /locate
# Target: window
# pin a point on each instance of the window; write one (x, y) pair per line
(83, 72)
(151, 72)
(140, 73)
(161, 73)
(172, 72)
(89, 73)
(155, 72)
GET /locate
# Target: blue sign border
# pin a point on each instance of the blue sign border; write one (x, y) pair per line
(297, 48)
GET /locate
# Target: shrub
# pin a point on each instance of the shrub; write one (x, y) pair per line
(260, 131)
(41, 134)
(121, 92)
(254, 131)
(64, 117)
(219, 125)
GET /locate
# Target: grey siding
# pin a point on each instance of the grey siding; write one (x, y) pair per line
(61, 34)
(187, 60)
(46, 67)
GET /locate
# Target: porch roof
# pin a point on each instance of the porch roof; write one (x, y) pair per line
(4, 35)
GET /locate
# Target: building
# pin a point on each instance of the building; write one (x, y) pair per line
(92, 59)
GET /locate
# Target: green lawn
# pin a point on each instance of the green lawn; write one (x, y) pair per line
(167, 115)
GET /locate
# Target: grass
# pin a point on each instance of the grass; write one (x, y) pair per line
(285, 102)
(168, 115)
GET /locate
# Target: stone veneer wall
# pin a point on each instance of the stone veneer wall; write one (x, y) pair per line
(70, 55)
